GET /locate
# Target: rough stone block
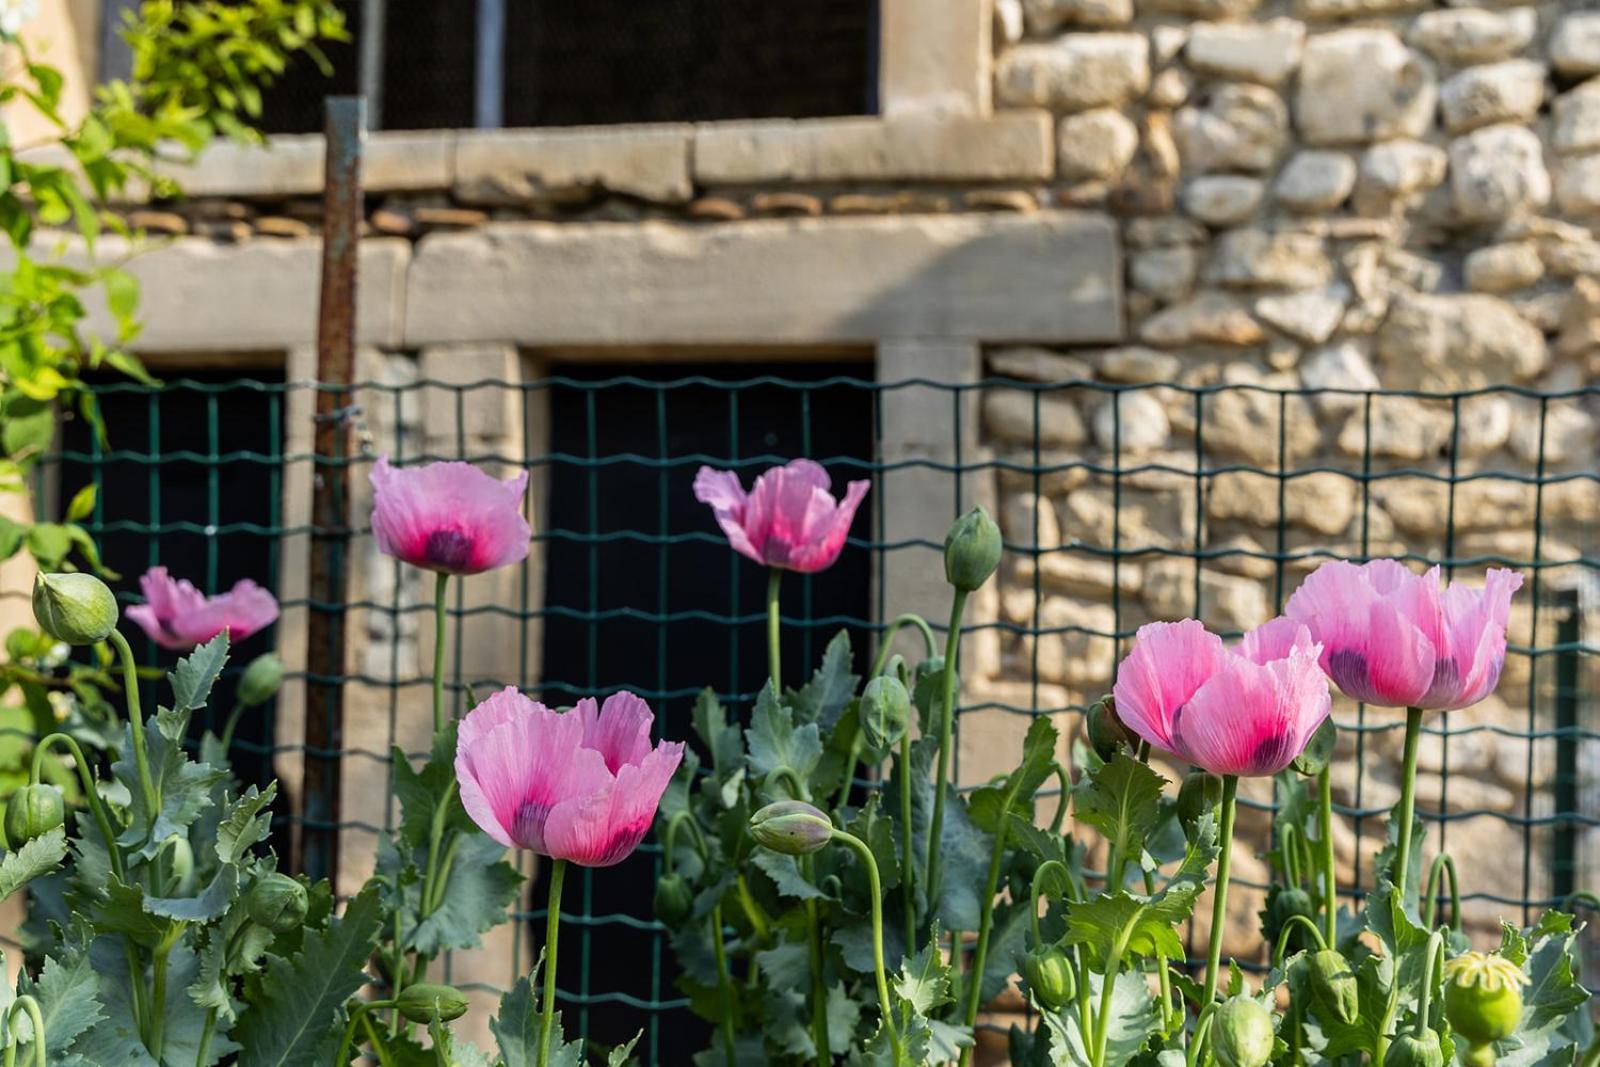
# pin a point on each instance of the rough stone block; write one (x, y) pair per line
(1315, 181)
(1498, 172)
(1464, 35)
(1458, 341)
(1576, 126)
(1578, 185)
(1008, 146)
(1096, 144)
(1075, 72)
(1265, 52)
(484, 411)
(523, 167)
(1051, 276)
(1240, 127)
(1362, 85)
(1511, 91)
(1575, 44)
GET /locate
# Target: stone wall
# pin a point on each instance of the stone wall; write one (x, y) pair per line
(1315, 196)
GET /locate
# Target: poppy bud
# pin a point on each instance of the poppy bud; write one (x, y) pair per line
(971, 550)
(260, 680)
(34, 810)
(76, 608)
(1413, 1050)
(1313, 759)
(277, 902)
(1050, 978)
(1200, 792)
(1334, 986)
(1284, 904)
(420, 1003)
(1243, 1033)
(792, 827)
(1106, 732)
(1483, 1000)
(674, 900)
(180, 864)
(885, 711)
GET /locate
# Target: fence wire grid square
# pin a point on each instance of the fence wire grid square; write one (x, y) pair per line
(631, 585)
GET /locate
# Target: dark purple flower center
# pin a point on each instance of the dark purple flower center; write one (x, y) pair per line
(527, 828)
(1349, 671)
(1272, 754)
(449, 550)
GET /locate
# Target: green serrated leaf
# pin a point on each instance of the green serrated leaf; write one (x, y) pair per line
(516, 1028)
(1133, 1018)
(210, 904)
(478, 894)
(823, 698)
(196, 673)
(296, 1018)
(39, 856)
(1123, 801)
(785, 874)
(184, 786)
(68, 994)
(246, 823)
(774, 740)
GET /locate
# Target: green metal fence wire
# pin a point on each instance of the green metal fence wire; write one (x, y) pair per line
(1553, 821)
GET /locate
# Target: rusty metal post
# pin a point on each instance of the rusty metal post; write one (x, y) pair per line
(330, 505)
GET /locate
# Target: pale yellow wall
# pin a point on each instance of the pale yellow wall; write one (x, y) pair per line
(65, 35)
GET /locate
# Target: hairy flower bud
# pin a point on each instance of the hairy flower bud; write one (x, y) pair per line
(33, 811)
(277, 902)
(178, 855)
(1414, 1050)
(1050, 978)
(260, 680)
(1243, 1033)
(885, 711)
(1283, 904)
(419, 1003)
(792, 827)
(1106, 732)
(674, 900)
(76, 608)
(1334, 985)
(971, 550)
(1200, 792)
(1313, 759)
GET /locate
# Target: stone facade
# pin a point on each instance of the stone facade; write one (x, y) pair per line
(1324, 195)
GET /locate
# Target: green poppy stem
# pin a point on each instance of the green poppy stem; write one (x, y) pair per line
(552, 931)
(875, 893)
(1408, 800)
(141, 760)
(1219, 904)
(441, 583)
(90, 793)
(27, 1004)
(952, 653)
(908, 877)
(774, 622)
(1330, 873)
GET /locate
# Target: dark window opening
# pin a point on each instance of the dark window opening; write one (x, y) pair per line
(603, 61)
(602, 536)
(218, 466)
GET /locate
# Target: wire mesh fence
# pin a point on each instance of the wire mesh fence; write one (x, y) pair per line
(1108, 524)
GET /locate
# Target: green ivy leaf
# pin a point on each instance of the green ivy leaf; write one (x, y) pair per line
(296, 1017)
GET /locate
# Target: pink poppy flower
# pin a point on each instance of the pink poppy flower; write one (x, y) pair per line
(581, 785)
(449, 517)
(1393, 638)
(789, 520)
(1246, 712)
(178, 616)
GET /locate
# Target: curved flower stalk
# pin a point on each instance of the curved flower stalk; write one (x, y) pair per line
(1235, 713)
(1394, 638)
(177, 616)
(579, 787)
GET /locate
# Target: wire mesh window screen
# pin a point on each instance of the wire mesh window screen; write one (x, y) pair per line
(1108, 525)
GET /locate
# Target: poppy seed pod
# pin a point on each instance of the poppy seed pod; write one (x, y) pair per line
(792, 827)
(1200, 792)
(1050, 978)
(1483, 1000)
(260, 680)
(1243, 1033)
(1314, 758)
(277, 902)
(1106, 732)
(1415, 1050)
(419, 1003)
(674, 900)
(971, 550)
(885, 711)
(76, 608)
(33, 811)
(1333, 985)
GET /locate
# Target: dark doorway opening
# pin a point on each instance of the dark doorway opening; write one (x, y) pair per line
(643, 593)
(189, 480)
